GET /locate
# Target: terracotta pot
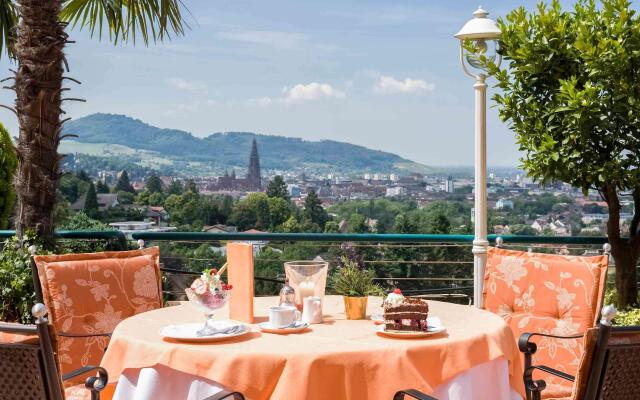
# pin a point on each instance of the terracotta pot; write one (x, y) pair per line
(355, 307)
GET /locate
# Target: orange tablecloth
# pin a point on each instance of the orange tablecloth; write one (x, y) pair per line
(339, 359)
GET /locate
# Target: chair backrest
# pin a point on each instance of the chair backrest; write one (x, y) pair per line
(615, 367)
(89, 294)
(27, 364)
(550, 294)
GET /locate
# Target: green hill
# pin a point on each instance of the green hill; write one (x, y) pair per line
(133, 140)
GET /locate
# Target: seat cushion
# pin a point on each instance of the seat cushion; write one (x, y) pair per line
(91, 294)
(551, 294)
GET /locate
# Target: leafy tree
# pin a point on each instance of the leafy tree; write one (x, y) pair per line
(405, 225)
(190, 186)
(331, 227)
(156, 199)
(440, 224)
(520, 229)
(154, 184)
(175, 187)
(570, 92)
(8, 165)
(123, 184)
(34, 34)
(91, 202)
(125, 197)
(72, 187)
(83, 176)
(102, 187)
(313, 209)
(357, 224)
(277, 188)
(252, 212)
(279, 211)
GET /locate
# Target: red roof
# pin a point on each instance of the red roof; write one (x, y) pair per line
(253, 231)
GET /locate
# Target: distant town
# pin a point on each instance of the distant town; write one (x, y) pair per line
(517, 204)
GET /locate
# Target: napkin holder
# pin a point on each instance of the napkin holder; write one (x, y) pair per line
(240, 275)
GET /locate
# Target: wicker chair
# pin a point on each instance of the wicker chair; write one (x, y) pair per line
(610, 369)
(226, 395)
(413, 393)
(28, 370)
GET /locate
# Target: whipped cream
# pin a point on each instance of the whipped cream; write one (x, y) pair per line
(394, 298)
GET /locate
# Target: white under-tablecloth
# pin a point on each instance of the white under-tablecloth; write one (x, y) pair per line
(482, 382)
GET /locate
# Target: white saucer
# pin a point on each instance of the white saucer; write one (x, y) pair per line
(188, 332)
(298, 327)
(434, 327)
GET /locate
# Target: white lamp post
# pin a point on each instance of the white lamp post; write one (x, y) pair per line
(482, 33)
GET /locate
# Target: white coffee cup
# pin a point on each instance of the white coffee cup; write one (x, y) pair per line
(283, 316)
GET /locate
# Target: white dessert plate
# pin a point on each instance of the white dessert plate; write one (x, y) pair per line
(434, 327)
(298, 326)
(189, 332)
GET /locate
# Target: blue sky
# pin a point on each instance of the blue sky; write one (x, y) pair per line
(379, 73)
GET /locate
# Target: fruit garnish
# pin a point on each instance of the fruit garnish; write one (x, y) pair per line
(214, 271)
(199, 286)
(397, 291)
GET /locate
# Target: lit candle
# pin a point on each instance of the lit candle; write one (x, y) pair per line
(306, 289)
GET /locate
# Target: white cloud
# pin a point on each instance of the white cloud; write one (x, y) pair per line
(390, 85)
(187, 86)
(276, 39)
(311, 91)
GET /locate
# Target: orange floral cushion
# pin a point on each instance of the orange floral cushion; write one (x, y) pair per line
(551, 294)
(91, 293)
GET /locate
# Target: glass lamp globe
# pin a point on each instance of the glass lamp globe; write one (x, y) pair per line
(481, 31)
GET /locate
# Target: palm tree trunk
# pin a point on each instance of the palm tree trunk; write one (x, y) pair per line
(38, 82)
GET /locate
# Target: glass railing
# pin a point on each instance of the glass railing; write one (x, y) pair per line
(432, 266)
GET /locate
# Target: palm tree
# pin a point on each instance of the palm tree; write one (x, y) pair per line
(33, 33)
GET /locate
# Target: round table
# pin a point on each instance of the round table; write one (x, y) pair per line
(339, 359)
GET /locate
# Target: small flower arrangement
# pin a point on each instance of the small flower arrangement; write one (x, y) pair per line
(352, 279)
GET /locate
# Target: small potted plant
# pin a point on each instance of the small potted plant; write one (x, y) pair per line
(355, 283)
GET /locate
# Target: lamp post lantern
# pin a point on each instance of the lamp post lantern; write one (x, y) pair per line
(478, 45)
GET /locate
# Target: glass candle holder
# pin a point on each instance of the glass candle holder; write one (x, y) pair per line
(307, 278)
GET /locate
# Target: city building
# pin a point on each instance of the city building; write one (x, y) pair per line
(105, 201)
(448, 185)
(504, 204)
(251, 183)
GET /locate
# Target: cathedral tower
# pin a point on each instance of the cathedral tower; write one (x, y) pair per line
(254, 180)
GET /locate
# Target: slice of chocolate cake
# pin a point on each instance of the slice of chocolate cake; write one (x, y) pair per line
(409, 315)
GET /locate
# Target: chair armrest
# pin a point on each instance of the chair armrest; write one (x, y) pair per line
(94, 383)
(416, 394)
(225, 394)
(18, 328)
(528, 347)
(539, 385)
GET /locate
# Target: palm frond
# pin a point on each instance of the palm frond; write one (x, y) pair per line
(126, 20)
(8, 22)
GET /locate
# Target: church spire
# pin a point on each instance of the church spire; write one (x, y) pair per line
(254, 178)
